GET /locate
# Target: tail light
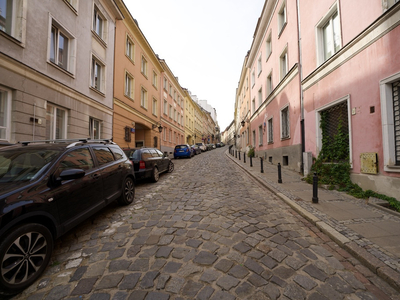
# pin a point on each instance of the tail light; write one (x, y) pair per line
(142, 165)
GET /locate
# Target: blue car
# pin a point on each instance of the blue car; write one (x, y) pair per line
(183, 151)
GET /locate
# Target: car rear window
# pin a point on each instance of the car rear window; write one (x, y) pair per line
(181, 147)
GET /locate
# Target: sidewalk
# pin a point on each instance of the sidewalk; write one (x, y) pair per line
(368, 232)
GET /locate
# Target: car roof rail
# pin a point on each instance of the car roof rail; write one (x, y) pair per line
(72, 141)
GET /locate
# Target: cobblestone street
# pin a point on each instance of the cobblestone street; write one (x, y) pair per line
(205, 231)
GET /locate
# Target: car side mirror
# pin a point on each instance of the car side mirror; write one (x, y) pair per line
(165, 154)
(70, 174)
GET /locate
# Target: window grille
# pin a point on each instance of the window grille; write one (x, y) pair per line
(396, 119)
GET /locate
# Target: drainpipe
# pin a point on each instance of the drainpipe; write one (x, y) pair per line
(302, 131)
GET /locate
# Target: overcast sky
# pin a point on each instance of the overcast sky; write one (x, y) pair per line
(203, 42)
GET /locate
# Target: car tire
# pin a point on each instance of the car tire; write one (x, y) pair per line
(24, 254)
(128, 192)
(155, 176)
(170, 167)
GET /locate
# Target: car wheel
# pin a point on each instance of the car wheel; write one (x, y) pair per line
(170, 167)
(128, 192)
(24, 255)
(156, 175)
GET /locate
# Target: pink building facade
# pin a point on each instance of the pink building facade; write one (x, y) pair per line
(324, 62)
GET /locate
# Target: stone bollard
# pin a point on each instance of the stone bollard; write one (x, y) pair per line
(244, 157)
(251, 161)
(262, 165)
(239, 155)
(315, 188)
(236, 153)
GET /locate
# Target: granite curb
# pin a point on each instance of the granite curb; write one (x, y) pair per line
(388, 274)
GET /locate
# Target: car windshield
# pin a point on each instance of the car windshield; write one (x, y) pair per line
(24, 164)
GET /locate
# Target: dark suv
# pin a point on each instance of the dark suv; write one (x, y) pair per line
(45, 190)
(149, 163)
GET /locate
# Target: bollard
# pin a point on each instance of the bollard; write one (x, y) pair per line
(315, 188)
(239, 155)
(279, 173)
(244, 157)
(262, 166)
(251, 161)
(236, 153)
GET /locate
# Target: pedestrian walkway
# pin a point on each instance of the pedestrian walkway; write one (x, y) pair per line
(367, 231)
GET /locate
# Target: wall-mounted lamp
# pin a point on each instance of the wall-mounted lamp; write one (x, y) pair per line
(158, 125)
(243, 122)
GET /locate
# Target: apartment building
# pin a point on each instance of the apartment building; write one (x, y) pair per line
(56, 66)
(243, 113)
(137, 87)
(189, 118)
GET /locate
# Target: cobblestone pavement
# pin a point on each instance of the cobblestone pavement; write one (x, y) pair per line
(205, 231)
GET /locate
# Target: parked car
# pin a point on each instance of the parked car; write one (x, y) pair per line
(196, 149)
(183, 151)
(202, 146)
(149, 162)
(45, 190)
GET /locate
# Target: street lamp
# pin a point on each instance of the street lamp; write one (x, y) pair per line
(243, 123)
(160, 128)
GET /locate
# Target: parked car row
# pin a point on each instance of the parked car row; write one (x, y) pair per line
(48, 187)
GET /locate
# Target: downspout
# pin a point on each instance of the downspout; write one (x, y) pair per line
(302, 127)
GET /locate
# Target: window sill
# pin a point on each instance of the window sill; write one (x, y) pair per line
(97, 91)
(12, 39)
(99, 39)
(282, 29)
(285, 138)
(130, 98)
(61, 69)
(270, 143)
(392, 169)
(131, 60)
(71, 7)
(143, 107)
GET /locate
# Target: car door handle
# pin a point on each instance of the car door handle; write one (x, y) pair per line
(96, 175)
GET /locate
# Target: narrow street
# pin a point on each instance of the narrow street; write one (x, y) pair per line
(205, 231)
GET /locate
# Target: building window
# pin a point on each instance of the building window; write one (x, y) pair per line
(99, 23)
(12, 19)
(97, 76)
(175, 115)
(5, 118)
(165, 107)
(282, 18)
(170, 111)
(130, 48)
(390, 115)
(154, 108)
(328, 35)
(170, 90)
(94, 128)
(254, 137)
(285, 127)
(56, 122)
(260, 135)
(143, 67)
(253, 105)
(143, 97)
(284, 63)
(259, 64)
(155, 79)
(62, 47)
(129, 86)
(165, 84)
(268, 46)
(253, 78)
(270, 131)
(73, 4)
(260, 98)
(269, 84)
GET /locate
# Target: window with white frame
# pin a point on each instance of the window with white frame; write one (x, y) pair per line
(99, 23)
(130, 48)
(97, 74)
(129, 85)
(259, 64)
(73, 4)
(260, 135)
(170, 112)
(154, 108)
(254, 138)
(283, 63)
(12, 20)
(170, 90)
(285, 126)
(143, 97)
(253, 105)
(328, 35)
(165, 84)
(170, 135)
(165, 134)
(56, 122)
(270, 131)
(253, 78)
(143, 66)
(94, 128)
(390, 115)
(268, 46)
(260, 98)
(269, 83)
(175, 115)
(62, 47)
(155, 79)
(282, 17)
(165, 107)
(5, 111)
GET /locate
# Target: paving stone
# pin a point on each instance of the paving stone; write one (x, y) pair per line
(205, 258)
(157, 296)
(78, 273)
(205, 293)
(174, 285)
(109, 281)
(96, 269)
(140, 264)
(84, 286)
(257, 280)
(294, 263)
(283, 272)
(308, 253)
(120, 296)
(189, 269)
(278, 255)
(222, 295)
(193, 243)
(180, 253)
(137, 295)
(244, 290)
(272, 291)
(227, 282)
(210, 246)
(305, 282)
(294, 292)
(329, 292)
(140, 240)
(191, 288)
(133, 251)
(162, 281)
(59, 292)
(278, 281)
(269, 262)
(238, 271)
(254, 266)
(278, 239)
(242, 247)
(166, 240)
(129, 281)
(352, 280)
(224, 265)
(158, 264)
(172, 267)
(148, 279)
(164, 251)
(209, 276)
(100, 296)
(340, 285)
(119, 265)
(316, 296)
(314, 272)
(250, 229)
